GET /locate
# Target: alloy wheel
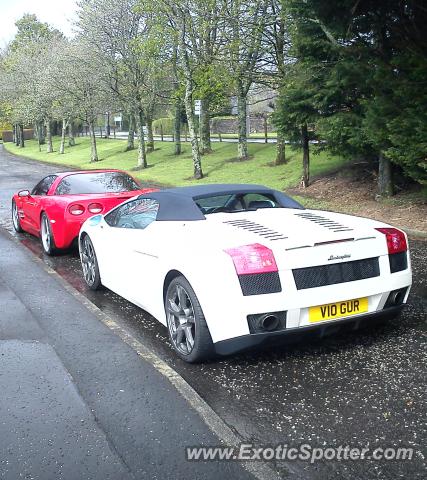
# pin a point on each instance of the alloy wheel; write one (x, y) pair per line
(88, 261)
(15, 217)
(181, 321)
(45, 234)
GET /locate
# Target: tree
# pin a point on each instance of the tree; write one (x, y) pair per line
(366, 59)
(77, 76)
(175, 17)
(276, 57)
(29, 54)
(295, 112)
(122, 39)
(244, 31)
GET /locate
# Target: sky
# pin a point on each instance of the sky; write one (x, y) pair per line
(57, 13)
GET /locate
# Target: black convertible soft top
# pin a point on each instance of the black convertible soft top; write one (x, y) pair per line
(179, 203)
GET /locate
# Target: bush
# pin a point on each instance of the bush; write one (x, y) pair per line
(166, 123)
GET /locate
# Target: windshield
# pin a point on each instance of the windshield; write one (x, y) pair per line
(100, 182)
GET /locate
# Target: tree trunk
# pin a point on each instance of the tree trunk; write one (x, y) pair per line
(49, 145)
(150, 136)
(178, 100)
(177, 126)
(21, 135)
(63, 132)
(131, 134)
(265, 124)
(188, 103)
(205, 127)
(107, 125)
(161, 131)
(15, 135)
(39, 133)
(71, 139)
(242, 147)
(305, 156)
(385, 176)
(280, 149)
(93, 149)
(142, 158)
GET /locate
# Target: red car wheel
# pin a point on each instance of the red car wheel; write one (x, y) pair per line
(46, 235)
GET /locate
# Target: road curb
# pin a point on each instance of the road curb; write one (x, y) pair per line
(415, 233)
(260, 470)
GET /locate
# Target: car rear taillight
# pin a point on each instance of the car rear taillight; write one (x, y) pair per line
(76, 209)
(250, 259)
(95, 208)
(396, 240)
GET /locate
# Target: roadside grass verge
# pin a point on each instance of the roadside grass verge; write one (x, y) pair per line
(221, 166)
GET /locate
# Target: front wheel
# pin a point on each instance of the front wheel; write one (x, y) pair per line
(186, 323)
(15, 218)
(89, 263)
(46, 235)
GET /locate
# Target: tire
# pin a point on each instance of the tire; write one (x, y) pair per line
(15, 218)
(188, 331)
(46, 235)
(89, 263)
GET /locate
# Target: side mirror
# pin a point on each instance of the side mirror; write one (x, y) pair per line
(24, 193)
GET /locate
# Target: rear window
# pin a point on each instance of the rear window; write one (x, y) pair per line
(101, 182)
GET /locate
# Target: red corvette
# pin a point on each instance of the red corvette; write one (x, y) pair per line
(58, 205)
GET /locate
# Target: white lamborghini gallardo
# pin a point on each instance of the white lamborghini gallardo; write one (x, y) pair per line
(227, 267)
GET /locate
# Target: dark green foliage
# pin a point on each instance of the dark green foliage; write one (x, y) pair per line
(359, 75)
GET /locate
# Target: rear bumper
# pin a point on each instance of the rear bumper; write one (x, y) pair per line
(245, 342)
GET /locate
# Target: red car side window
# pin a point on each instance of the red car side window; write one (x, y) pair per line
(44, 185)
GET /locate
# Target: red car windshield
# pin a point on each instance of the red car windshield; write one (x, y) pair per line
(100, 182)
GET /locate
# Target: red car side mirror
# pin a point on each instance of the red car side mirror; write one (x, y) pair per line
(24, 193)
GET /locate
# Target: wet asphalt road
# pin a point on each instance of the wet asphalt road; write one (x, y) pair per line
(365, 388)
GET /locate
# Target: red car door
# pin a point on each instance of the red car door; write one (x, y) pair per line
(31, 205)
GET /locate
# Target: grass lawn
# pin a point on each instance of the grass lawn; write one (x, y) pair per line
(221, 166)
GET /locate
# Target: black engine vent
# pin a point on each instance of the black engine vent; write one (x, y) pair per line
(260, 283)
(398, 262)
(256, 228)
(312, 277)
(324, 222)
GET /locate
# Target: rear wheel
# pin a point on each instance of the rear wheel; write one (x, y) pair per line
(186, 323)
(89, 263)
(15, 218)
(46, 235)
